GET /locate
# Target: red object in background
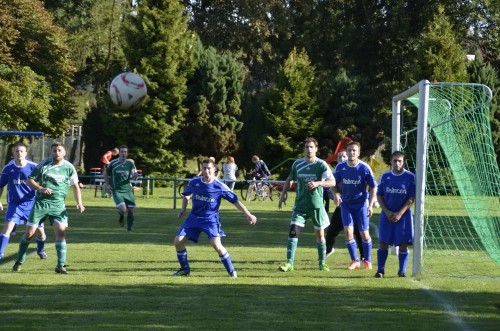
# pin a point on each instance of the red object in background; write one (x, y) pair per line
(342, 144)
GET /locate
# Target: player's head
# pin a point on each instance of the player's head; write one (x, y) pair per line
(310, 146)
(397, 161)
(208, 167)
(123, 152)
(341, 156)
(19, 151)
(115, 151)
(255, 159)
(58, 151)
(353, 149)
(230, 159)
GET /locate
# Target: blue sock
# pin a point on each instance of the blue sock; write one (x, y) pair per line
(182, 257)
(291, 247)
(4, 240)
(321, 245)
(352, 248)
(367, 249)
(382, 255)
(404, 257)
(226, 261)
(40, 244)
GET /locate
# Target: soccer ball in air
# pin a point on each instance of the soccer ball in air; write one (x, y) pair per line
(127, 90)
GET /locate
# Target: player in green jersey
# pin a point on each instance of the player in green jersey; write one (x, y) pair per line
(117, 176)
(51, 180)
(312, 175)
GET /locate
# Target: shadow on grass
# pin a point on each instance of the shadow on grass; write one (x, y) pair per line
(182, 304)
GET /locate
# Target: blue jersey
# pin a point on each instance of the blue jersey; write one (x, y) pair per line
(206, 198)
(353, 181)
(15, 178)
(396, 189)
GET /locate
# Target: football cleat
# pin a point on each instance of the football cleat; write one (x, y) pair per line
(43, 255)
(354, 265)
(233, 274)
(17, 266)
(401, 274)
(287, 267)
(181, 273)
(367, 265)
(379, 274)
(324, 267)
(61, 269)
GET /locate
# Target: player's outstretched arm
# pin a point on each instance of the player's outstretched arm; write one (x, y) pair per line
(250, 218)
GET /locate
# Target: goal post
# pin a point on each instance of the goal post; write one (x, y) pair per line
(444, 130)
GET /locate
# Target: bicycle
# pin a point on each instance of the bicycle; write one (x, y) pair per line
(261, 190)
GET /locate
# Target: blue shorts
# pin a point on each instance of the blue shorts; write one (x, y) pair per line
(355, 213)
(396, 233)
(193, 226)
(19, 213)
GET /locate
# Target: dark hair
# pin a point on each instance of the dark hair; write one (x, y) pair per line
(19, 144)
(57, 144)
(398, 153)
(209, 161)
(123, 146)
(353, 143)
(310, 140)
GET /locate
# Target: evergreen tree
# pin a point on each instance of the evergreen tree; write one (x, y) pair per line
(293, 107)
(160, 48)
(439, 56)
(215, 93)
(484, 73)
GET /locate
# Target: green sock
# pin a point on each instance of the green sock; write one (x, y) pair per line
(130, 221)
(291, 247)
(61, 252)
(321, 251)
(23, 248)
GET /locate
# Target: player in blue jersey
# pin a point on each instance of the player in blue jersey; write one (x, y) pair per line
(20, 198)
(51, 179)
(312, 175)
(206, 193)
(356, 205)
(396, 194)
(336, 225)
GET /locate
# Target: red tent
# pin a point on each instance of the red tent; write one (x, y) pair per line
(340, 146)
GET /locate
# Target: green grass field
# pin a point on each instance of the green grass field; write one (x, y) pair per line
(121, 281)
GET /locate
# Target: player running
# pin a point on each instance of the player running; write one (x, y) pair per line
(117, 176)
(51, 179)
(20, 198)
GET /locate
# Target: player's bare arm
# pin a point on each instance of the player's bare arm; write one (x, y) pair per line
(286, 187)
(241, 207)
(185, 202)
(34, 185)
(78, 198)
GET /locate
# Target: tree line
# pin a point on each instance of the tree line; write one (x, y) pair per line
(235, 77)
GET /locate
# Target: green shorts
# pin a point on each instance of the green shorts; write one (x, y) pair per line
(318, 215)
(55, 212)
(124, 197)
